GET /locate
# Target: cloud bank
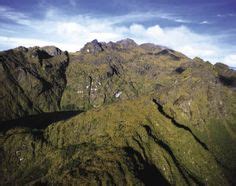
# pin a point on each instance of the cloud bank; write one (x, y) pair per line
(72, 32)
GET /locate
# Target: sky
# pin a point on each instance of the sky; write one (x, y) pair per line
(206, 29)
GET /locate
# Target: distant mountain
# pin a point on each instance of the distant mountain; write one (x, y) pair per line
(116, 113)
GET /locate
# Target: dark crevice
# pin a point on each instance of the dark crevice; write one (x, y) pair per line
(141, 147)
(161, 110)
(169, 151)
(179, 70)
(119, 165)
(90, 87)
(41, 54)
(227, 81)
(143, 170)
(45, 86)
(113, 71)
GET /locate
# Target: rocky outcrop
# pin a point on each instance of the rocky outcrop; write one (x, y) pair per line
(51, 50)
(32, 81)
(226, 76)
(94, 47)
(126, 44)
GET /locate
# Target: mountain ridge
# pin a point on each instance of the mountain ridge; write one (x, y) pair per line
(116, 113)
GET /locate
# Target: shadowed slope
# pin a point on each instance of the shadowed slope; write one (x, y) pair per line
(40, 121)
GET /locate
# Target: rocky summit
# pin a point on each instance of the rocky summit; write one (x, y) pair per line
(115, 113)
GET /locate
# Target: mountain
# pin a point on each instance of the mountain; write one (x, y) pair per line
(32, 81)
(116, 113)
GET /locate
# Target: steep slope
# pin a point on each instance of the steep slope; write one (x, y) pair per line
(200, 101)
(130, 142)
(32, 81)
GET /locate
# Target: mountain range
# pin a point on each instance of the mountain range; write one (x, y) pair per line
(115, 113)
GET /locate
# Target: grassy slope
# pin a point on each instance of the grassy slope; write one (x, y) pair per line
(117, 143)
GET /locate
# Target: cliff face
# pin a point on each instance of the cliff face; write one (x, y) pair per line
(150, 115)
(32, 81)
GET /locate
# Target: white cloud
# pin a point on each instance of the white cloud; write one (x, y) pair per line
(204, 22)
(71, 33)
(10, 14)
(226, 15)
(12, 42)
(179, 38)
(52, 13)
(230, 60)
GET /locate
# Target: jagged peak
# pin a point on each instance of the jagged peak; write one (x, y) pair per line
(21, 48)
(51, 50)
(95, 41)
(93, 47)
(221, 65)
(127, 43)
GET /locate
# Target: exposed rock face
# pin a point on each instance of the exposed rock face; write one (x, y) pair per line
(94, 47)
(32, 81)
(226, 76)
(151, 116)
(127, 44)
(51, 50)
